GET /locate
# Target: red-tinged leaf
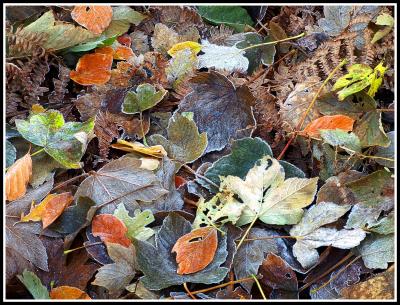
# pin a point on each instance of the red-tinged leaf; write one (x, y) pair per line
(93, 69)
(95, 18)
(105, 50)
(179, 181)
(17, 177)
(123, 52)
(328, 122)
(125, 40)
(49, 209)
(110, 229)
(195, 250)
(67, 292)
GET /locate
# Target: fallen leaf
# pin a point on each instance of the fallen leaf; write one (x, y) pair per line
(377, 251)
(184, 144)
(383, 19)
(380, 286)
(159, 266)
(11, 154)
(383, 226)
(118, 51)
(96, 18)
(277, 273)
(194, 48)
(92, 69)
(328, 122)
(156, 151)
(67, 292)
(136, 225)
(34, 285)
(310, 235)
(222, 117)
(181, 67)
(195, 250)
(340, 138)
(222, 58)
(17, 178)
(110, 229)
(49, 209)
(121, 180)
(370, 131)
(65, 142)
(144, 98)
(116, 276)
(386, 152)
(238, 293)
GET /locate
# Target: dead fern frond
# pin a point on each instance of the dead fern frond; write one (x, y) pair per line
(22, 44)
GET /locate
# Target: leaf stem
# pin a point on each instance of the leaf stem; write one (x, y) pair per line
(83, 246)
(259, 286)
(188, 291)
(223, 285)
(247, 232)
(69, 181)
(37, 152)
(141, 126)
(198, 175)
(271, 42)
(274, 237)
(298, 127)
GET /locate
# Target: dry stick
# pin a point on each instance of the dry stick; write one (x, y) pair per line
(271, 42)
(259, 286)
(198, 175)
(298, 127)
(188, 291)
(273, 237)
(326, 272)
(223, 285)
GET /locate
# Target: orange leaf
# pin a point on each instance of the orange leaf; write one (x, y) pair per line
(125, 40)
(17, 177)
(68, 292)
(328, 122)
(105, 50)
(110, 229)
(95, 18)
(93, 69)
(49, 209)
(179, 181)
(119, 52)
(195, 250)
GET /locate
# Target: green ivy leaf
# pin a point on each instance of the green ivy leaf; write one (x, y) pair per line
(65, 142)
(144, 98)
(235, 17)
(136, 225)
(34, 285)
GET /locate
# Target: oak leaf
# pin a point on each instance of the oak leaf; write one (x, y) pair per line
(195, 250)
(96, 18)
(110, 229)
(67, 292)
(17, 177)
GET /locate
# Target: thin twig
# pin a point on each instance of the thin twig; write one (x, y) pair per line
(198, 175)
(259, 286)
(188, 291)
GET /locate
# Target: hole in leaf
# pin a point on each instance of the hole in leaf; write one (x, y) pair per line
(195, 239)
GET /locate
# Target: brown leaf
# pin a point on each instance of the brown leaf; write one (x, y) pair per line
(194, 251)
(110, 229)
(49, 209)
(277, 273)
(95, 18)
(67, 292)
(380, 286)
(328, 122)
(238, 293)
(17, 177)
(93, 69)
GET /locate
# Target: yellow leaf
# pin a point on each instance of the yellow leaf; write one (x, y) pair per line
(149, 163)
(37, 108)
(156, 151)
(17, 177)
(193, 46)
(376, 79)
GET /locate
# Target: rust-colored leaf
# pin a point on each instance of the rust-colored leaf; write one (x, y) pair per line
(328, 122)
(179, 181)
(67, 292)
(125, 40)
(110, 229)
(195, 250)
(96, 18)
(92, 69)
(119, 52)
(105, 50)
(17, 177)
(49, 209)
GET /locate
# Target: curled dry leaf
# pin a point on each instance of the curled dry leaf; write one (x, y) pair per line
(93, 69)
(194, 251)
(328, 122)
(49, 209)
(95, 18)
(67, 292)
(17, 177)
(110, 229)
(156, 151)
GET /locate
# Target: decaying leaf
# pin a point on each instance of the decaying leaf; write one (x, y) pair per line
(181, 67)
(95, 18)
(327, 122)
(370, 131)
(377, 250)
(110, 229)
(49, 209)
(93, 69)
(221, 116)
(34, 285)
(144, 98)
(17, 178)
(67, 292)
(310, 235)
(194, 48)
(156, 151)
(194, 251)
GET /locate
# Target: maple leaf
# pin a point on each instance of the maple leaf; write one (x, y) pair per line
(310, 235)
(65, 142)
(159, 266)
(121, 180)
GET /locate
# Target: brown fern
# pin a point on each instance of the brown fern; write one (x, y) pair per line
(22, 44)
